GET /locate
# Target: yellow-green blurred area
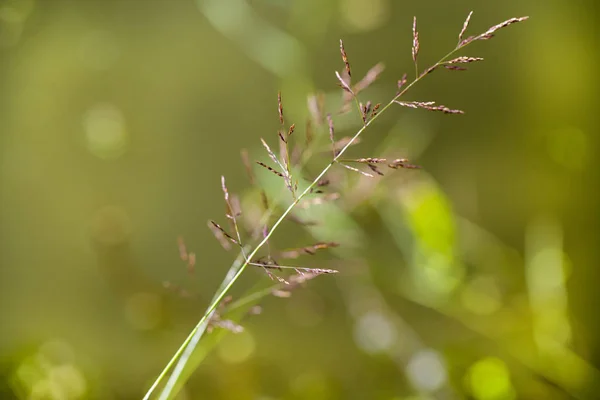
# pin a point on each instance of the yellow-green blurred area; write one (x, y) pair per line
(475, 277)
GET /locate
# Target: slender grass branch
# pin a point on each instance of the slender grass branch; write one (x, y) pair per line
(244, 259)
(192, 340)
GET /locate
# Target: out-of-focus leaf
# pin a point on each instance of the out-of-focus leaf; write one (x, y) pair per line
(239, 309)
(420, 219)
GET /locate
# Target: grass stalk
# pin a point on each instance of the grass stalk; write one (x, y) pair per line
(244, 259)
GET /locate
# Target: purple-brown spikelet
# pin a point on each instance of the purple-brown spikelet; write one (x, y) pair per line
(308, 133)
(225, 191)
(191, 262)
(364, 111)
(428, 105)
(455, 68)
(451, 64)
(464, 27)
(310, 250)
(415, 43)
(315, 108)
(415, 104)
(357, 170)
(282, 293)
(490, 32)
(283, 139)
(270, 152)
(345, 58)
(343, 83)
(265, 235)
(283, 151)
(217, 320)
(272, 265)
(233, 210)
(429, 70)
(343, 142)
(401, 83)
(445, 109)
(331, 133)
(370, 160)
(235, 205)
(221, 235)
(374, 168)
(402, 163)
(279, 174)
(323, 182)
(374, 163)
(183, 254)
(464, 60)
(247, 166)
(315, 201)
(280, 108)
(375, 110)
(371, 76)
(224, 324)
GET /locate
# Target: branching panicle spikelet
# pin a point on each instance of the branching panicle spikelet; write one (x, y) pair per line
(363, 111)
(356, 170)
(331, 133)
(248, 166)
(343, 84)
(310, 250)
(225, 191)
(455, 68)
(490, 32)
(375, 110)
(374, 168)
(308, 133)
(464, 27)
(402, 163)
(429, 70)
(373, 162)
(189, 258)
(463, 60)
(323, 182)
(428, 105)
(279, 174)
(183, 253)
(233, 210)
(315, 108)
(371, 76)
(270, 152)
(343, 142)
(401, 82)
(307, 203)
(220, 233)
(280, 108)
(345, 58)
(415, 44)
(370, 160)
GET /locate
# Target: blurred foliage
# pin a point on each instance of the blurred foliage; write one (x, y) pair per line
(472, 278)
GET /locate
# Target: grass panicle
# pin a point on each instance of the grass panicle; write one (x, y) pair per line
(315, 192)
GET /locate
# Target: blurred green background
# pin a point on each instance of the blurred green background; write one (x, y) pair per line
(475, 277)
